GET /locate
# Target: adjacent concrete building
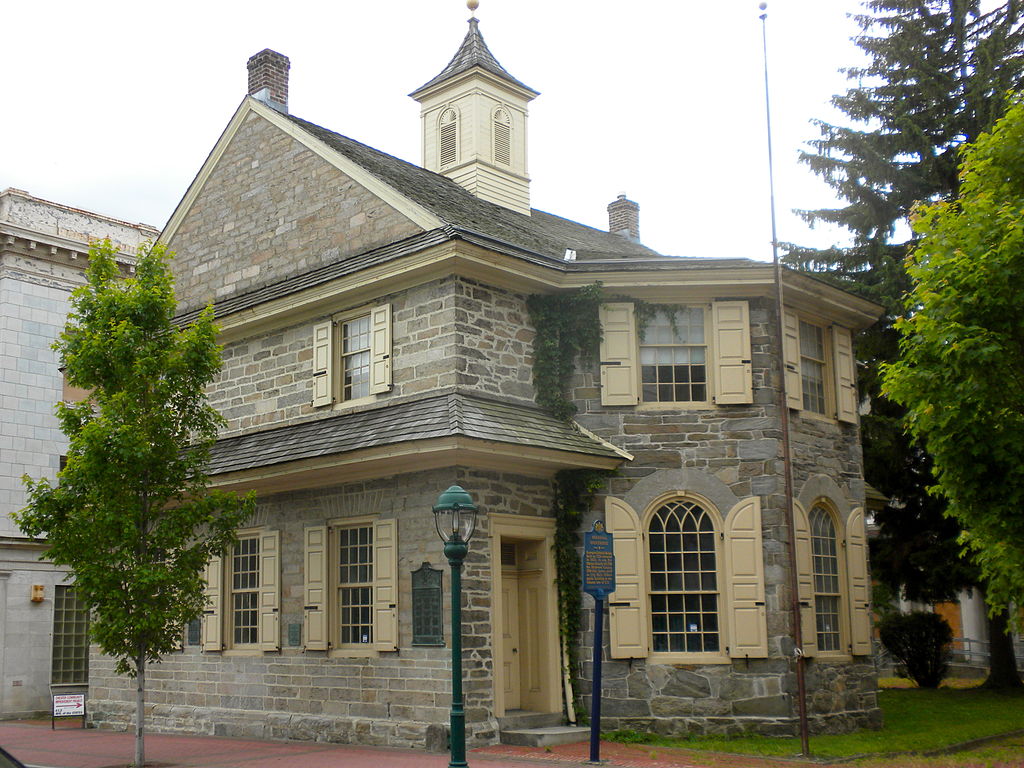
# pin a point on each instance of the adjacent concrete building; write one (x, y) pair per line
(43, 253)
(378, 347)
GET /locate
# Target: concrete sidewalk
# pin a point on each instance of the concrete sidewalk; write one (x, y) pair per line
(35, 744)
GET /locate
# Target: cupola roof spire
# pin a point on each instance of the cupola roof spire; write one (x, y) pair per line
(473, 53)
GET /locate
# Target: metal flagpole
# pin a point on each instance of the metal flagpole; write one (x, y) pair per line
(783, 406)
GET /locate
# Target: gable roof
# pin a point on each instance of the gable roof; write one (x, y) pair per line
(473, 53)
(541, 232)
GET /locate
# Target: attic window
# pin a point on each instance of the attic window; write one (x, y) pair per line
(448, 149)
(502, 137)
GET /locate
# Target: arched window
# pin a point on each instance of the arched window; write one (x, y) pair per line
(825, 569)
(448, 138)
(502, 137)
(684, 590)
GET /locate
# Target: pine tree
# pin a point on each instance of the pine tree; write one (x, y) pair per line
(936, 76)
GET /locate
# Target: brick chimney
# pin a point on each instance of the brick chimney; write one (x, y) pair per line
(624, 218)
(268, 79)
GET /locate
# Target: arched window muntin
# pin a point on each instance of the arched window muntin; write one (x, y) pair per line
(684, 567)
(501, 136)
(448, 137)
(828, 572)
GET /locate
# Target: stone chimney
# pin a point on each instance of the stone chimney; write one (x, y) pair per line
(268, 79)
(624, 218)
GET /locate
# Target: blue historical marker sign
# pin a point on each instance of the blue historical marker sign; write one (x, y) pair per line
(598, 562)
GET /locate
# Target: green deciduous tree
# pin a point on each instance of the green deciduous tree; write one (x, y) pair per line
(131, 514)
(961, 370)
(934, 78)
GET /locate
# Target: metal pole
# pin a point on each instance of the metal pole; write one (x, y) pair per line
(783, 406)
(455, 550)
(595, 694)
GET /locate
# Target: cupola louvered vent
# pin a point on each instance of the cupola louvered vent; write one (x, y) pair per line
(502, 137)
(448, 139)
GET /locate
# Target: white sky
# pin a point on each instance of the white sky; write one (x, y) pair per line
(113, 106)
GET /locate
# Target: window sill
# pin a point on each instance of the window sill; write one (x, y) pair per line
(353, 653)
(346, 405)
(240, 652)
(683, 405)
(688, 658)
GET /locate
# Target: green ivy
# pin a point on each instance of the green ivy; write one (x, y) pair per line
(567, 328)
(574, 492)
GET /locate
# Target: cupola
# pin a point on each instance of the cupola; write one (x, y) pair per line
(474, 124)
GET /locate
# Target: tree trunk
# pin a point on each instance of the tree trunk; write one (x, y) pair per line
(140, 709)
(1002, 672)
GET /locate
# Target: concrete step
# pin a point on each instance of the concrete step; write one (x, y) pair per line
(549, 736)
(519, 719)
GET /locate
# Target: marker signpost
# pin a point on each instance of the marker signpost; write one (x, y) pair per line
(598, 582)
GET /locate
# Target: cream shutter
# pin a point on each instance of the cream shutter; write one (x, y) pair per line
(744, 573)
(385, 585)
(314, 594)
(791, 356)
(213, 622)
(619, 374)
(270, 591)
(733, 382)
(805, 581)
(323, 364)
(846, 374)
(380, 349)
(857, 571)
(627, 605)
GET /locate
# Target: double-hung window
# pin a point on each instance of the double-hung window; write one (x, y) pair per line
(820, 368)
(825, 568)
(243, 595)
(352, 356)
(351, 586)
(689, 354)
(673, 358)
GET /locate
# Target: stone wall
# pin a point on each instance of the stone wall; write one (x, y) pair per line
(400, 698)
(272, 209)
(727, 453)
(447, 333)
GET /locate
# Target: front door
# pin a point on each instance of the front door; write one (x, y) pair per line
(510, 638)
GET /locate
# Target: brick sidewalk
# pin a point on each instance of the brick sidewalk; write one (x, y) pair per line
(73, 747)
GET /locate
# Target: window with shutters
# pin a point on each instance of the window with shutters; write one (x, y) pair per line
(502, 132)
(693, 357)
(243, 595)
(351, 586)
(683, 569)
(352, 356)
(832, 575)
(448, 138)
(674, 358)
(821, 377)
(825, 568)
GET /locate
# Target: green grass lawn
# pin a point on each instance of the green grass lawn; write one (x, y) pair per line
(915, 720)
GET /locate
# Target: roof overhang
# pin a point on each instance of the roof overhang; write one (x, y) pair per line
(411, 456)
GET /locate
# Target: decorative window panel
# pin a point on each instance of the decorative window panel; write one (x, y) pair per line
(448, 138)
(683, 567)
(70, 659)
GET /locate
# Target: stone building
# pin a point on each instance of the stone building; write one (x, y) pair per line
(378, 347)
(43, 253)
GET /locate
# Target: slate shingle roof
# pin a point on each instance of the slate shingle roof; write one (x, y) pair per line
(540, 233)
(473, 53)
(448, 415)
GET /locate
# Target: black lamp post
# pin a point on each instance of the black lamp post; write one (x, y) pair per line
(455, 519)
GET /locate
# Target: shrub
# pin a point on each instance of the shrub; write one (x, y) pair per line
(920, 641)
